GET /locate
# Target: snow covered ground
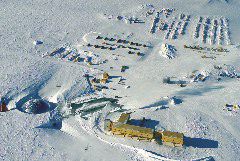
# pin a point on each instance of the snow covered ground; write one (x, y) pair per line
(31, 31)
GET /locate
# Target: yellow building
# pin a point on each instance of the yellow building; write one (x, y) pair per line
(108, 125)
(103, 81)
(126, 130)
(132, 131)
(105, 75)
(121, 128)
(172, 138)
(124, 118)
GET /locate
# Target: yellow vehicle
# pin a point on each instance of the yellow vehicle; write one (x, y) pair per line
(105, 77)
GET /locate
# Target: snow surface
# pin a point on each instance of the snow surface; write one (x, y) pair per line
(27, 72)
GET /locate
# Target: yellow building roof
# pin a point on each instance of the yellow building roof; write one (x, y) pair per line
(172, 134)
(104, 81)
(124, 118)
(135, 128)
(105, 75)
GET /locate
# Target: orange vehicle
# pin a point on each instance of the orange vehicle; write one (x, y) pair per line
(3, 106)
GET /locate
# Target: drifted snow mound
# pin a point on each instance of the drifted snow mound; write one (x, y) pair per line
(175, 100)
(36, 106)
(168, 51)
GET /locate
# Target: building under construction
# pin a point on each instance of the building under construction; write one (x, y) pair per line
(122, 128)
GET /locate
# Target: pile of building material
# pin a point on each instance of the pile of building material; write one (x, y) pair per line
(226, 71)
(198, 47)
(168, 51)
(197, 76)
(66, 53)
(113, 43)
(37, 42)
(124, 68)
(175, 80)
(103, 80)
(229, 72)
(126, 19)
(213, 31)
(232, 107)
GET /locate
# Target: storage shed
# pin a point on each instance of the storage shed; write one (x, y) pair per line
(172, 138)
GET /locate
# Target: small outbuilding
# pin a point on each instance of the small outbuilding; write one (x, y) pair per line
(105, 75)
(172, 138)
